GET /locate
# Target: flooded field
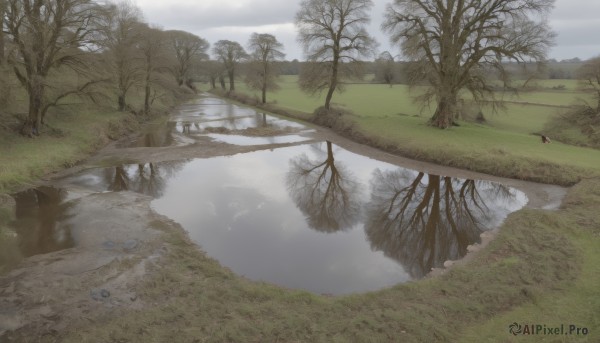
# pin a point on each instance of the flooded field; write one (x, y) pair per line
(295, 210)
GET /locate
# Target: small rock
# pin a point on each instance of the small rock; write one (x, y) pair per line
(99, 294)
(448, 264)
(473, 247)
(108, 245)
(130, 244)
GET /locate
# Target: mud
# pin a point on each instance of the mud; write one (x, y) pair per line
(116, 244)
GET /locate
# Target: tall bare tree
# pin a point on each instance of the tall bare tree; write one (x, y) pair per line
(264, 50)
(188, 49)
(230, 54)
(121, 32)
(332, 33)
(48, 35)
(455, 43)
(152, 45)
(589, 74)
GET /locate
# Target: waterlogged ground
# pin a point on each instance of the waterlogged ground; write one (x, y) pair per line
(271, 199)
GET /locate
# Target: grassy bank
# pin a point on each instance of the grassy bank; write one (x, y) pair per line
(543, 268)
(507, 145)
(72, 135)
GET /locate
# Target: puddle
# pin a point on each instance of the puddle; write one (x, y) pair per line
(320, 218)
(146, 178)
(198, 117)
(314, 216)
(39, 225)
(246, 140)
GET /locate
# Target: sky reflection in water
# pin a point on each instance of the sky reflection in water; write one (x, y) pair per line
(320, 218)
(313, 216)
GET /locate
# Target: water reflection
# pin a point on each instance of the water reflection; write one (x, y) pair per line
(423, 220)
(146, 178)
(297, 216)
(40, 216)
(157, 136)
(142, 178)
(325, 191)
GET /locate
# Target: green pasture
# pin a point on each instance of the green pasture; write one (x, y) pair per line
(508, 143)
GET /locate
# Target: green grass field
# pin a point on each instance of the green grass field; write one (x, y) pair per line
(508, 144)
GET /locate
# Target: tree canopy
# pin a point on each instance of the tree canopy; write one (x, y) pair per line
(589, 74)
(230, 54)
(455, 44)
(334, 38)
(265, 49)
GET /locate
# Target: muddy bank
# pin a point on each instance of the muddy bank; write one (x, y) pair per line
(341, 123)
(116, 243)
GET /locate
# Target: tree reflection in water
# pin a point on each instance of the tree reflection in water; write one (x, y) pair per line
(422, 221)
(324, 191)
(39, 213)
(159, 137)
(141, 178)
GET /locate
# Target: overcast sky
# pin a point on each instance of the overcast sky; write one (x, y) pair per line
(577, 22)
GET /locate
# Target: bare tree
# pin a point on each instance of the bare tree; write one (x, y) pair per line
(264, 50)
(214, 71)
(121, 32)
(454, 43)
(188, 48)
(48, 35)
(385, 68)
(589, 74)
(152, 45)
(332, 33)
(230, 54)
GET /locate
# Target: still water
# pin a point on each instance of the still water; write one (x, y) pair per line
(312, 216)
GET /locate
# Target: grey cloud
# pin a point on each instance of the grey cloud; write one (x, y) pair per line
(575, 21)
(196, 18)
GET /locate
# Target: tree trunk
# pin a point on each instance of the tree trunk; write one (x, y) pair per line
(444, 115)
(332, 83)
(33, 122)
(121, 102)
(2, 10)
(231, 81)
(264, 80)
(213, 82)
(222, 82)
(147, 97)
(332, 87)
